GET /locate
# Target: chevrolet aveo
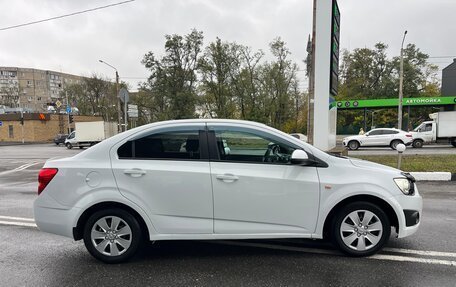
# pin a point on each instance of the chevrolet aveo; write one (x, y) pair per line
(220, 179)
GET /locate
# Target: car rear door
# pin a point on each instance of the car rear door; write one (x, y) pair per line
(256, 190)
(166, 172)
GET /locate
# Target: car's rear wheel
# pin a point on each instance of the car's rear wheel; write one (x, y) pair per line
(353, 145)
(417, 144)
(361, 229)
(453, 142)
(112, 235)
(394, 144)
(69, 145)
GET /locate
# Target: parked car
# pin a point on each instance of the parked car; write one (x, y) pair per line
(378, 138)
(60, 138)
(299, 136)
(142, 185)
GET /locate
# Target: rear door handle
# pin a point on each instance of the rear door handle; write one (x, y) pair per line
(135, 172)
(227, 177)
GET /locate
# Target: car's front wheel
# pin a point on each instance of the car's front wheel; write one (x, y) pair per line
(361, 229)
(69, 145)
(353, 145)
(417, 144)
(112, 235)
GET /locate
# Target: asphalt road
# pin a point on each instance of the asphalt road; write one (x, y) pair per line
(29, 257)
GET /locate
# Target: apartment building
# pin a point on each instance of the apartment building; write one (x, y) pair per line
(32, 89)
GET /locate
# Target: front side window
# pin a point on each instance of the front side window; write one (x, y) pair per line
(375, 133)
(427, 128)
(163, 145)
(250, 146)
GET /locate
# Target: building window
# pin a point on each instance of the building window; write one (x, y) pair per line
(29, 83)
(10, 131)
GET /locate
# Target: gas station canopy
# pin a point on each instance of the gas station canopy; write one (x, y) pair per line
(385, 103)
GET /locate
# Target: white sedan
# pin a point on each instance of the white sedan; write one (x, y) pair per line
(144, 184)
(379, 138)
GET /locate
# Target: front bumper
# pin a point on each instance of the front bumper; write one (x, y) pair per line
(409, 217)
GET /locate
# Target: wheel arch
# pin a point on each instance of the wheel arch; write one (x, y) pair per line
(354, 140)
(385, 206)
(394, 140)
(78, 230)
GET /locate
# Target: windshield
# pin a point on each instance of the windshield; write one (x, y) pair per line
(418, 128)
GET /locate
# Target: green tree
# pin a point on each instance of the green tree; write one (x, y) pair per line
(216, 67)
(93, 96)
(173, 79)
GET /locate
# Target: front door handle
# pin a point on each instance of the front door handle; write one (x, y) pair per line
(135, 172)
(227, 177)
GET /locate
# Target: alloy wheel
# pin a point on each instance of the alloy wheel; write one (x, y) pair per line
(111, 236)
(361, 230)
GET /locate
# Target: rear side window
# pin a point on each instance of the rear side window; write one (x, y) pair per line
(390, 132)
(166, 145)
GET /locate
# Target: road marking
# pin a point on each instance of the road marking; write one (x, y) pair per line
(420, 252)
(22, 167)
(28, 224)
(376, 257)
(412, 259)
(17, 218)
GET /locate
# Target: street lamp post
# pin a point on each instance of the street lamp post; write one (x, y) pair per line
(119, 128)
(401, 81)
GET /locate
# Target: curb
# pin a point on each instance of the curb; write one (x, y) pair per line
(434, 176)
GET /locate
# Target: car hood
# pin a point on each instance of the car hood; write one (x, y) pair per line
(372, 165)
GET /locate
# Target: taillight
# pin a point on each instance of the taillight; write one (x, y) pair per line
(408, 135)
(44, 178)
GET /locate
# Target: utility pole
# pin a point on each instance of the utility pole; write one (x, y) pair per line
(401, 83)
(311, 75)
(22, 124)
(68, 112)
(119, 112)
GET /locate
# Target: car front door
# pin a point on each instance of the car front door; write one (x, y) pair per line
(373, 138)
(166, 172)
(256, 189)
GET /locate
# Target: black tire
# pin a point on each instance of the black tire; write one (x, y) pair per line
(361, 206)
(81, 147)
(69, 145)
(135, 240)
(353, 145)
(453, 142)
(417, 143)
(394, 144)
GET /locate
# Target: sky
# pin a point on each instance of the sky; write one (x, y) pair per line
(121, 35)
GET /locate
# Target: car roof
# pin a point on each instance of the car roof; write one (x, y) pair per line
(390, 129)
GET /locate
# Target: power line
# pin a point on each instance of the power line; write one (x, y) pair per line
(443, 57)
(66, 15)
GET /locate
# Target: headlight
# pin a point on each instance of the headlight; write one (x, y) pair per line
(404, 185)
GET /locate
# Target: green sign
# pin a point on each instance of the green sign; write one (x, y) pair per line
(335, 37)
(384, 103)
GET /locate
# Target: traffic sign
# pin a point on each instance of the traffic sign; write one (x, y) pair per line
(58, 104)
(133, 114)
(132, 107)
(68, 109)
(123, 95)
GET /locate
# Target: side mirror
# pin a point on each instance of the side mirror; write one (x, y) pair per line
(299, 157)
